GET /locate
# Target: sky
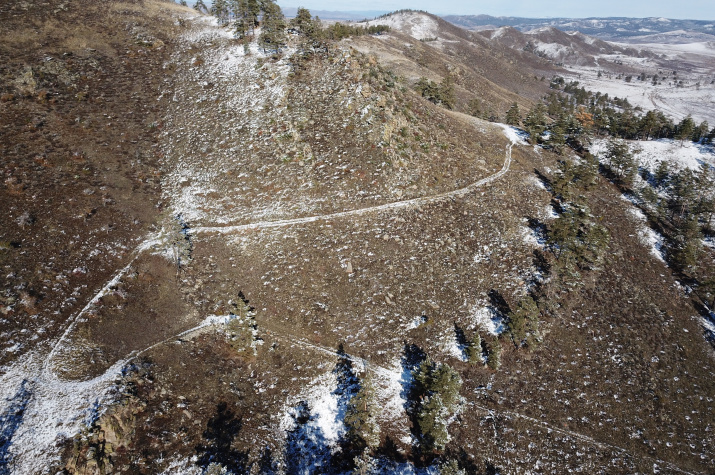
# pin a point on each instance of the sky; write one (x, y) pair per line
(682, 9)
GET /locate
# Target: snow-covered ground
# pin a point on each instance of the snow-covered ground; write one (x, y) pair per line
(676, 102)
(415, 24)
(648, 237)
(487, 319)
(650, 153)
(695, 63)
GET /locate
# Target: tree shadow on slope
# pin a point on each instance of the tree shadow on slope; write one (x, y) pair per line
(498, 303)
(220, 431)
(463, 343)
(10, 419)
(412, 357)
(308, 448)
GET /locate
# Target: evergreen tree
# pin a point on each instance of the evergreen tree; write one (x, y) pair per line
(513, 116)
(682, 194)
(705, 208)
(648, 124)
(711, 136)
(438, 386)
(183, 3)
(562, 181)
(303, 21)
(200, 6)
(246, 14)
(219, 9)
(685, 129)
(586, 172)
(557, 139)
(451, 467)
(662, 174)
(440, 94)
(535, 122)
(273, 26)
(601, 121)
(446, 92)
(363, 430)
(701, 132)
(494, 350)
(708, 288)
(365, 463)
(686, 244)
(621, 162)
(474, 349)
(577, 239)
(524, 320)
(474, 108)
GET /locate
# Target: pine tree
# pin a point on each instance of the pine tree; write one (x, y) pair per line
(451, 467)
(701, 132)
(219, 9)
(711, 136)
(304, 23)
(563, 180)
(365, 463)
(363, 430)
(621, 161)
(685, 130)
(272, 28)
(523, 320)
(513, 116)
(705, 207)
(662, 174)
(246, 14)
(535, 122)
(648, 124)
(683, 194)
(475, 108)
(200, 6)
(686, 244)
(446, 92)
(557, 139)
(438, 386)
(494, 353)
(474, 349)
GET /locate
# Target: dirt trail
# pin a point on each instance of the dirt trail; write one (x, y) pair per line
(415, 202)
(71, 403)
(383, 372)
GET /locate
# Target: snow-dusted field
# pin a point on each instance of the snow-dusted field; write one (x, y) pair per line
(694, 63)
(650, 153)
(416, 25)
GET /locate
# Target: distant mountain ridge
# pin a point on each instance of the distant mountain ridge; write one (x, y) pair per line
(617, 28)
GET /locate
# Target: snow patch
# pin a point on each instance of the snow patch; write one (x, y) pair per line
(325, 425)
(648, 237)
(487, 319)
(416, 322)
(416, 24)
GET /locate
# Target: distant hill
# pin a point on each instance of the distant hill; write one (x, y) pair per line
(606, 28)
(337, 15)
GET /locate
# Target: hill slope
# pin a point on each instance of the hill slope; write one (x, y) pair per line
(265, 235)
(615, 29)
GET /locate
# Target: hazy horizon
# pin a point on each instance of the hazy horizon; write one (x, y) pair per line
(687, 10)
